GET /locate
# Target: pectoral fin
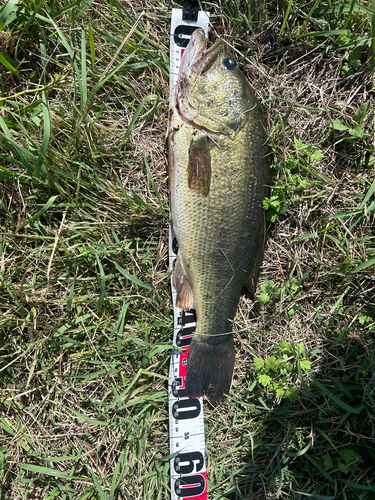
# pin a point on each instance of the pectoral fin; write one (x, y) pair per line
(199, 168)
(184, 291)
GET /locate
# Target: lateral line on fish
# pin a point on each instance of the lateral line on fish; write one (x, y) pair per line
(229, 282)
(215, 334)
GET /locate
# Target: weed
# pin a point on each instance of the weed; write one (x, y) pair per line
(276, 372)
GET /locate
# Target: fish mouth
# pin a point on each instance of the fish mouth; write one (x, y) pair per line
(197, 58)
(196, 62)
(210, 56)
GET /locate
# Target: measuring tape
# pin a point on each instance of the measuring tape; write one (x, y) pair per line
(186, 419)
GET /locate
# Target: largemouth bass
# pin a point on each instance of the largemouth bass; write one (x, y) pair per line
(218, 176)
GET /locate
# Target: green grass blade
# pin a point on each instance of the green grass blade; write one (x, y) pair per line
(290, 3)
(115, 475)
(102, 285)
(334, 398)
(43, 210)
(93, 421)
(320, 469)
(369, 193)
(92, 47)
(70, 298)
(45, 470)
(348, 17)
(83, 70)
(316, 496)
(6, 13)
(120, 328)
(46, 115)
(365, 265)
(324, 33)
(8, 65)
(12, 295)
(133, 279)
(99, 489)
(343, 9)
(83, 5)
(138, 112)
(373, 36)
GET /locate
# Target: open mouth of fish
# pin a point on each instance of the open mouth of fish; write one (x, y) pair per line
(196, 62)
(197, 58)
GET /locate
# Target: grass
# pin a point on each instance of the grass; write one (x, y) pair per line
(85, 308)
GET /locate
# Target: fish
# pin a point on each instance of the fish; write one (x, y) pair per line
(218, 178)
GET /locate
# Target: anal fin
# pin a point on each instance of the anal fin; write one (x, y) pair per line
(183, 288)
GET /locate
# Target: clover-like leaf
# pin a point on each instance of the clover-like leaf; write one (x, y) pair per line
(347, 455)
(264, 379)
(271, 362)
(292, 394)
(305, 364)
(327, 461)
(258, 363)
(317, 155)
(264, 298)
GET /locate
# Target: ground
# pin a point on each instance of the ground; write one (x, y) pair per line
(85, 306)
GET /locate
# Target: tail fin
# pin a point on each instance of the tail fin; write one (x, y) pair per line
(209, 368)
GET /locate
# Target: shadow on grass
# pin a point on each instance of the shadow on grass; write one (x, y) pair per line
(321, 446)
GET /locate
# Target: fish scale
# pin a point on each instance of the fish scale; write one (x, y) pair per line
(218, 178)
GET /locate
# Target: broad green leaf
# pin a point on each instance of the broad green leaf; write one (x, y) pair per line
(327, 460)
(347, 455)
(292, 394)
(264, 298)
(264, 379)
(305, 364)
(271, 362)
(362, 112)
(317, 155)
(258, 363)
(299, 144)
(339, 125)
(356, 131)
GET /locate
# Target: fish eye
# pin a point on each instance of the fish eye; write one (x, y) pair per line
(229, 63)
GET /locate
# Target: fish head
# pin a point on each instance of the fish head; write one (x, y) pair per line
(212, 93)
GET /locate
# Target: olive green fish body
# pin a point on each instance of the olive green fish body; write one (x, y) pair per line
(217, 183)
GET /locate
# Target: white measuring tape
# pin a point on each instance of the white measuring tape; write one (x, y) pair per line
(186, 420)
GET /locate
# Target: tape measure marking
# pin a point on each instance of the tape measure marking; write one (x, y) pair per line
(186, 419)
